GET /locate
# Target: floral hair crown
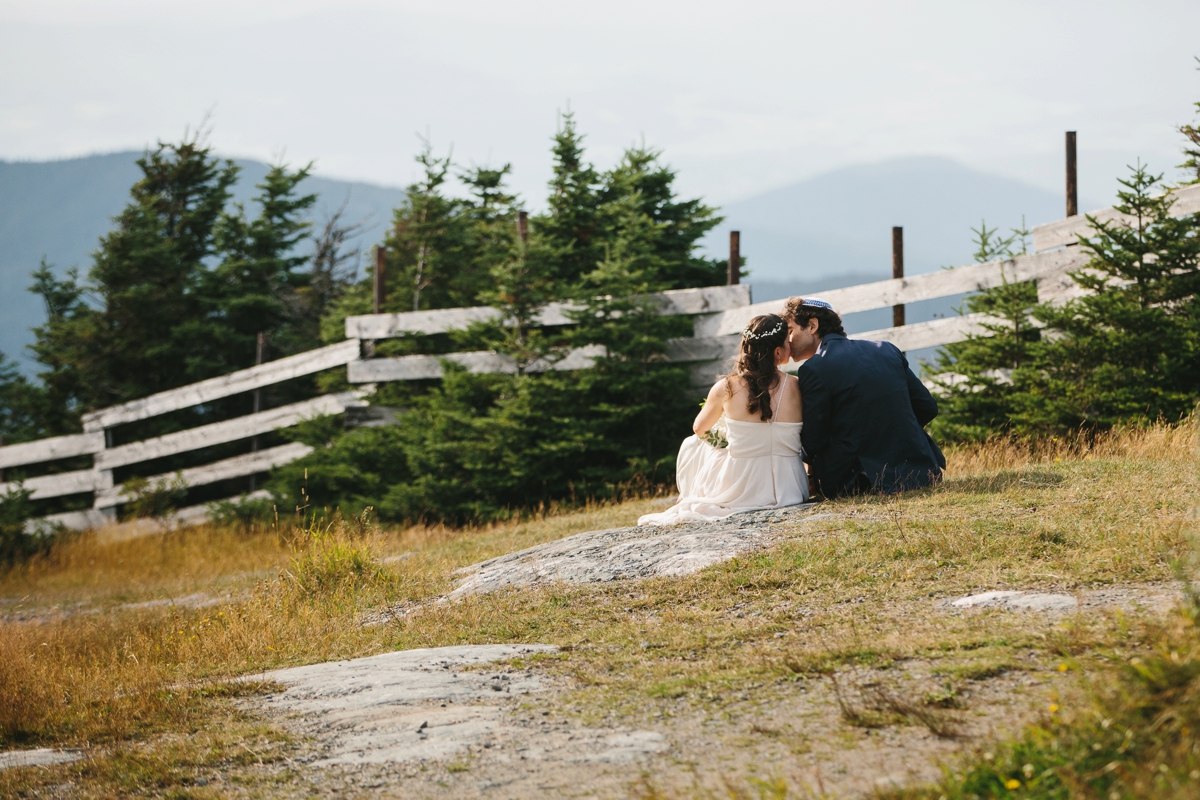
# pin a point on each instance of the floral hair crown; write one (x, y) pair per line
(748, 334)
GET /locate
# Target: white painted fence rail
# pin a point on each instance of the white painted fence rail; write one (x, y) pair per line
(236, 467)
(720, 313)
(1067, 231)
(929, 286)
(675, 302)
(52, 449)
(227, 431)
(244, 380)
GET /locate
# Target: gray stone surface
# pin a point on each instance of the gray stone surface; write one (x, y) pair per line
(435, 704)
(1024, 601)
(42, 757)
(629, 553)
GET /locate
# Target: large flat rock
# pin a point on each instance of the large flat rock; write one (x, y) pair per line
(631, 553)
(436, 704)
(40, 757)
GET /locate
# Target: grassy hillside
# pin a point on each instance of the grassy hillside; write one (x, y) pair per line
(717, 660)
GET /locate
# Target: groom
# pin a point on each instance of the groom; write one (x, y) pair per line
(864, 409)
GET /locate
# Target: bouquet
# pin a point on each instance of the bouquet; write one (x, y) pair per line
(716, 435)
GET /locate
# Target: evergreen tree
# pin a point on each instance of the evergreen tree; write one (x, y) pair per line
(977, 377)
(638, 401)
(491, 215)
(426, 244)
(476, 447)
(144, 281)
(260, 283)
(64, 347)
(1130, 347)
(639, 179)
(22, 405)
(436, 250)
(1191, 149)
(573, 225)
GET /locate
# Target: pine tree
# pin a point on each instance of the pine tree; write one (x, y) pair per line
(641, 180)
(977, 377)
(574, 222)
(491, 215)
(1192, 149)
(426, 244)
(22, 405)
(145, 279)
(1130, 347)
(260, 283)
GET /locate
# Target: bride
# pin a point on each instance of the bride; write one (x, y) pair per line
(753, 460)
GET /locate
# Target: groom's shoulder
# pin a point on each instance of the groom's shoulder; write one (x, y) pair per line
(839, 353)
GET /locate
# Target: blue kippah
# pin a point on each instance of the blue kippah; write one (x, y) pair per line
(812, 302)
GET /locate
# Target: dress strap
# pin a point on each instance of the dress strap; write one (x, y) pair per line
(776, 401)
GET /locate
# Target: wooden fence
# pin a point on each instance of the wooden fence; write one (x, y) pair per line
(719, 312)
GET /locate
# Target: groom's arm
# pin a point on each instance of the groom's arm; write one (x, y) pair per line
(818, 411)
(923, 404)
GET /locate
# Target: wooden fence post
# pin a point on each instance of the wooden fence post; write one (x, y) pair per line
(897, 271)
(1072, 183)
(735, 258)
(380, 278)
(262, 342)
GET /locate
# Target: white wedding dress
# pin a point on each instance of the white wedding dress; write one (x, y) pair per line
(761, 468)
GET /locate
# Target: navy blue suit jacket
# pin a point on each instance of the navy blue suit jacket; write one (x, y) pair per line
(864, 418)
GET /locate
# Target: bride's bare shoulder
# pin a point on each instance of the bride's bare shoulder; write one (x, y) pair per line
(732, 384)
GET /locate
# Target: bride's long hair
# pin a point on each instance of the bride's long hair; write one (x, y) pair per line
(755, 362)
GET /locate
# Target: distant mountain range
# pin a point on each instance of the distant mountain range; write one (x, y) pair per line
(59, 210)
(835, 229)
(829, 231)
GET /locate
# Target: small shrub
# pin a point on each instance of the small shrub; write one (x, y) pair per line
(154, 498)
(244, 514)
(332, 560)
(16, 542)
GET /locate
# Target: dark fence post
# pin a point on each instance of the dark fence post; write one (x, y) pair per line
(1072, 182)
(735, 258)
(380, 278)
(897, 271)
(262, 342)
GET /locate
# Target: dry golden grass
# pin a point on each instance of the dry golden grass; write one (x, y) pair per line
(853, 588)
(72, 674)
(97, 571)
(1157, 442)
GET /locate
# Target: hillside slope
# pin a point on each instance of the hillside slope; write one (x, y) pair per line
(841, 221)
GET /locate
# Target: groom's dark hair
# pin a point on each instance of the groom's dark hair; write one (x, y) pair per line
(828, 321)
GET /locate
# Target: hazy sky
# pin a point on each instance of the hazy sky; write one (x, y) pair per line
(741, 96)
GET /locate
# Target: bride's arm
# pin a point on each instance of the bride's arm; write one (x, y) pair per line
(714, 407)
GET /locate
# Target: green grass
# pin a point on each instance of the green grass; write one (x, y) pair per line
(142, 689)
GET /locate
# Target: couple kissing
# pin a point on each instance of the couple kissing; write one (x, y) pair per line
(851, 420)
